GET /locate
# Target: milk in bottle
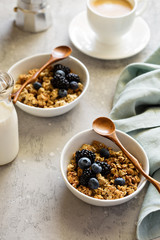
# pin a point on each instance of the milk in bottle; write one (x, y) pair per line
(9, 140)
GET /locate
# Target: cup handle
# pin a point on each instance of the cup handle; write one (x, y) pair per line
(142, 7)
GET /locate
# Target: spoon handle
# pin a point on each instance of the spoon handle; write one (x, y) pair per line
(135, 163)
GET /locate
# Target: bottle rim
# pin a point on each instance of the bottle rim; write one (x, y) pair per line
(6, 84)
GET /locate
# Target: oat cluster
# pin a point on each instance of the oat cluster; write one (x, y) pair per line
(121, 167)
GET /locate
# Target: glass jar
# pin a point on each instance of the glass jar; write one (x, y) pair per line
(9, 138)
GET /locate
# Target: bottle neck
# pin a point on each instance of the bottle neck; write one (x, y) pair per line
(6, 86)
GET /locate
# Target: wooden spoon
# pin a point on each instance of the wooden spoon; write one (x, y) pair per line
(58, 53)
(106, 128)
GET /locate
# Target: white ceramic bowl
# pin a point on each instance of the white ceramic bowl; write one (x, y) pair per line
(36, 61)
(88, 136)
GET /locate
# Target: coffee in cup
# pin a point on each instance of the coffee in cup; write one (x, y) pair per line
(111, 19)
(111, 8)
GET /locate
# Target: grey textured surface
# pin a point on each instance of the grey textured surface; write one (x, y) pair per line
(34, 201)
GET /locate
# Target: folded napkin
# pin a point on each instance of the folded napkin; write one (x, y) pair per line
(136, 110)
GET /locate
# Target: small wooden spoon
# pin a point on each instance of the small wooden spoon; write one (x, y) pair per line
(106, 128)
(58, 53)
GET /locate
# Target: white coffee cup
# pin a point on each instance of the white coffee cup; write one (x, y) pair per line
(110, 29)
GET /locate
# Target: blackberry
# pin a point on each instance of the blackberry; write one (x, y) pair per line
(87, 173)
(84, 178)
(106, 168)
(59, 82)
(63, 83)
(73, 77)
(85, 153)
(61, 67)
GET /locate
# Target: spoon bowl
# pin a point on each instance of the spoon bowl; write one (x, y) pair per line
(103, 126)
(61, 52)
(106, 128)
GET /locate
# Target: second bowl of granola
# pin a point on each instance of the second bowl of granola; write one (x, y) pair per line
(96, 171)
(58, 89)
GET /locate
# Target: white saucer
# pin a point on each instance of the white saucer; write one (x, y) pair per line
(85, 40)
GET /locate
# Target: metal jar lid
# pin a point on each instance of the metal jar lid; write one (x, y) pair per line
(33, 5)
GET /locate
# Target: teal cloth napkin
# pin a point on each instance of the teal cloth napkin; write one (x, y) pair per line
(136, 110)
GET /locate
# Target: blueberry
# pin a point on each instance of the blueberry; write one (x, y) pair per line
(96, 168)
(93, 183)
(37, 85)
(62, 93)
(84, 163)
(60, 72)
(104, 153)
(119, 181)
(73, 85)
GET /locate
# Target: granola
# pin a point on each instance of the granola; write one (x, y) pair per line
(47, 94)
(122, 178)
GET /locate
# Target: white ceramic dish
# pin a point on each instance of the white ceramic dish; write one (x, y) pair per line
(36, 61)
(85, 39)
(88, 136)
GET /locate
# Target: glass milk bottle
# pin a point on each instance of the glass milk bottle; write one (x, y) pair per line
(9, 139)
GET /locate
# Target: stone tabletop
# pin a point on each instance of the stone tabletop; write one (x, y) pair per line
(34, 200)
